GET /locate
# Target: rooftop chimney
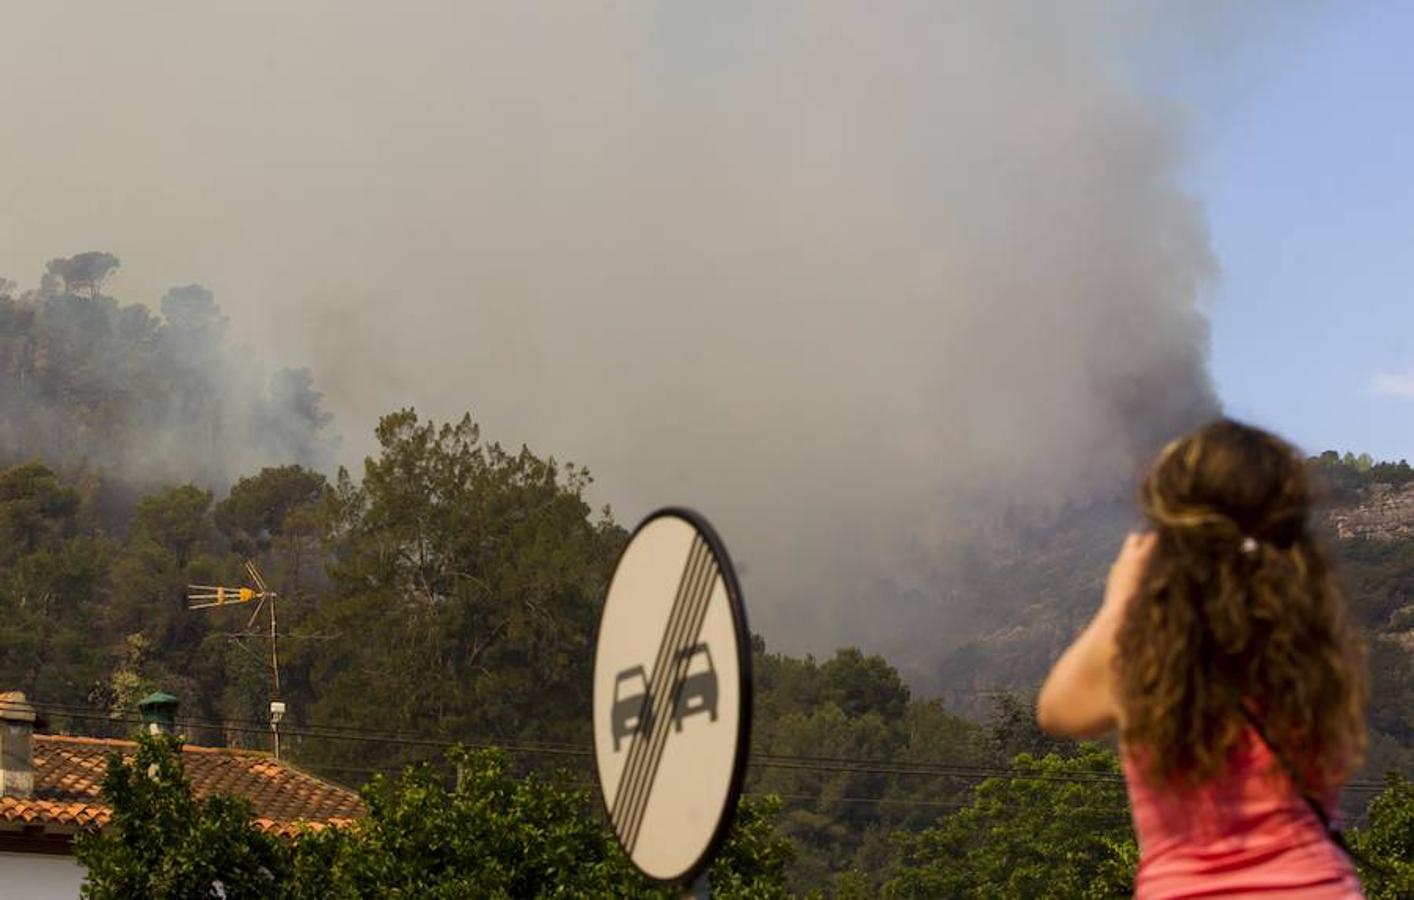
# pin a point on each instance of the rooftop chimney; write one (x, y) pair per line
(159, 713)
(16, 747)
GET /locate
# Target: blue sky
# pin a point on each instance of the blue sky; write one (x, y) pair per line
(1302, 145)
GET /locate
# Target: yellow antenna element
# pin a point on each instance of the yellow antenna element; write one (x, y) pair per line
(204, 596)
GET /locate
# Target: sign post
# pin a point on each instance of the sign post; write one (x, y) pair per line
(672, 698)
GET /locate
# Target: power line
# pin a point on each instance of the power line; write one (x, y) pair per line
(342, 732)
(757, 760)
(820, 764)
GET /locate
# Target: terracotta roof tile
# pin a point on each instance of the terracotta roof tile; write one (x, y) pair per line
(68, 775)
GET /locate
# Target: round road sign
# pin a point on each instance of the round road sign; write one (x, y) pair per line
(672, 696)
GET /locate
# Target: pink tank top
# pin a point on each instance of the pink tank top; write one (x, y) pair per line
(1245, 833)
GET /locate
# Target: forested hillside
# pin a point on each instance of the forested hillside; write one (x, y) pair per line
(1028, 590)
(449, 592)
(94, 385)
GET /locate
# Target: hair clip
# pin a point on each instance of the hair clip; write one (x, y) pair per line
(1249, 545)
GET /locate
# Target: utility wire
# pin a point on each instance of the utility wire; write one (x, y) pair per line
(758, 760)
(768, 761)
(819, 764)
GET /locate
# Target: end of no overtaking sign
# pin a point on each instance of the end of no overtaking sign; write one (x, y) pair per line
(672, 696)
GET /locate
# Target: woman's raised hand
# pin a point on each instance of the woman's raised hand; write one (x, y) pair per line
(1127, 571)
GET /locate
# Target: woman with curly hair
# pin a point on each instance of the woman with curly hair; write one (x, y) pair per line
(1222, 655)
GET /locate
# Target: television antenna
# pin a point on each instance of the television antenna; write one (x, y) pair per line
(208, 596)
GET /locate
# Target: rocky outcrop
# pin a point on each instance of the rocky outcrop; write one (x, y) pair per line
(1385, 513)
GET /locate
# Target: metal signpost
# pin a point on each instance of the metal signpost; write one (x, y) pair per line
(672, 698)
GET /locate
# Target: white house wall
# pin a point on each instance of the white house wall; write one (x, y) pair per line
(39, 876)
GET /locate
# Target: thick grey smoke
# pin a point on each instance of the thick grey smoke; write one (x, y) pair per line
(850, 278)
(95, 387)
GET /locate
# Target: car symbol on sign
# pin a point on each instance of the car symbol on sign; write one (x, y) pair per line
(632, 712)
(697, 692)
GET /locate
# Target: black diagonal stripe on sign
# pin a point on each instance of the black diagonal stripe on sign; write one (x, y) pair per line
(635, 766)
(673, 642)
(692, 628)
(635, 786)
(638, 781)
(690, 625)
(637, 741)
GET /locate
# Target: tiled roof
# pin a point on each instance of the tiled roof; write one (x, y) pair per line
(68, 775)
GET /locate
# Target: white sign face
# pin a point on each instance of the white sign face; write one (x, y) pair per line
(671, 696)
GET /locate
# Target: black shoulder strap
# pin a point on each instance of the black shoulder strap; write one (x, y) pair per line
(1336, 836)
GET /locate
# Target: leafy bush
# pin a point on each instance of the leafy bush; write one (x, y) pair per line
(489, 834)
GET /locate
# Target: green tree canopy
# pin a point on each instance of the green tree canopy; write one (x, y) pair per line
(84, 271)
(175, 519)
(1059, 828)
(860, 684)
(1386, 843)
(50, 574)
(258, 505)
(484, 832)
(473, 578)
(469, 829)
(35, 509)
(163, 844)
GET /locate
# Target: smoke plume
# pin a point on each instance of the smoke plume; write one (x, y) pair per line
(98, 388)
(853, 279)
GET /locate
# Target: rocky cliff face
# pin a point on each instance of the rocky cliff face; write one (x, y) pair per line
(1024, 602)
(1384, 513)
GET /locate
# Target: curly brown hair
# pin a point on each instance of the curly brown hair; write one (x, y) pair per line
(1238, 607)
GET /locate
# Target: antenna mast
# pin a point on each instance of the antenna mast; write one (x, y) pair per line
(206, 596)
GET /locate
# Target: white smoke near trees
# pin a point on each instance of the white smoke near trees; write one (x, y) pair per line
(853, 279)
(107, 391)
